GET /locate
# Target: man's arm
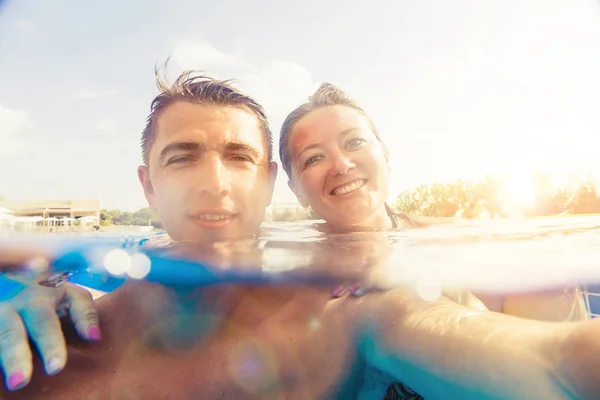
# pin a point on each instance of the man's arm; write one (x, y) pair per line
(444, 350)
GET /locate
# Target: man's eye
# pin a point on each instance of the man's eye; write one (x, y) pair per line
(178, 160)
(242, 158)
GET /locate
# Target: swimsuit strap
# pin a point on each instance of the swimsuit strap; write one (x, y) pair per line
(393, 216)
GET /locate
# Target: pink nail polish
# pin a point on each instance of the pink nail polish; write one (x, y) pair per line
(94, 333)
(338, 291)
(354, 288)
(16, 381)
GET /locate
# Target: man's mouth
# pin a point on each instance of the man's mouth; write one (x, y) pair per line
(348, 188)
(213, 219)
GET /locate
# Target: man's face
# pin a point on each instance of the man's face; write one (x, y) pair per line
(208, 175)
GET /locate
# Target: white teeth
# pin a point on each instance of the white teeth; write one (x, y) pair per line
(213, 217)
(349, 188)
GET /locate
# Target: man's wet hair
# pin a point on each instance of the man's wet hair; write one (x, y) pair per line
(326, 95)
(194, 87)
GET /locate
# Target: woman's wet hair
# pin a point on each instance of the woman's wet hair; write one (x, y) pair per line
(326, 95)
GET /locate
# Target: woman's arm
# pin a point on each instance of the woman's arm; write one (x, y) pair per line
(559, 305)
(553, 306)
(445, 351)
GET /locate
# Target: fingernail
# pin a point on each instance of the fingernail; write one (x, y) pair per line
(53, 366)
(354, 288)
(16, 381)
(359, 292)
(94, 333)
(338, 291)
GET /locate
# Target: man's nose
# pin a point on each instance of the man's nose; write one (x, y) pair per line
(214, 177)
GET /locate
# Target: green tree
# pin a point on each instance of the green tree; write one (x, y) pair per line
(105, 218)
(413, 201)
(488, 192)
(441, 201)
(468, 198)
(146, 216)
(586, 200)
(115, 216)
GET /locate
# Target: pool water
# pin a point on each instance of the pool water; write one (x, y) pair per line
(499, 257)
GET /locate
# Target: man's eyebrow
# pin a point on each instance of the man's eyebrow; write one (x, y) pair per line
(178, 146)
(245, 148)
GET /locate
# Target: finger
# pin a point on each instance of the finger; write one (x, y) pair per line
(358, 290)
(84, 315)
(471, 301)
(15, 354)
(43, 326)
(339, 291)
(454, 295)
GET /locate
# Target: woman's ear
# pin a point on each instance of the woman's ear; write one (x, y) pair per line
(298, 194)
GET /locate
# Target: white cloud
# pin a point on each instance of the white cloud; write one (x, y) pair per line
(107, 125)
(279, 86)
(202, 55)
(11, 123)
(24, 25)
(94, 94)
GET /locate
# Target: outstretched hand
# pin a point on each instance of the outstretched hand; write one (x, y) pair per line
(31, 309)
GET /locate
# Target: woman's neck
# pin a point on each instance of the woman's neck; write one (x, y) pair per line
(382, 219)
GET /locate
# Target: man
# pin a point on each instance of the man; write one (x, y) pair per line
(208, 173)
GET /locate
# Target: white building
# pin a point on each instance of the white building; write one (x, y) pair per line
(49, 214)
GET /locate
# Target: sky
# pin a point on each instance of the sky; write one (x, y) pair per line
(457, 88)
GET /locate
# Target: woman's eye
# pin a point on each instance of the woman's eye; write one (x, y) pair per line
(355, 142)
(311, 160)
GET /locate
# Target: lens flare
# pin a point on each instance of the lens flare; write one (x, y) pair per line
(117, 262)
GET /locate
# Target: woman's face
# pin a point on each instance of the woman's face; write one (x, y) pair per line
(339, 167)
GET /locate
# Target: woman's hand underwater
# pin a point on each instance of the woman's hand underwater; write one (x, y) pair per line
(461, 297)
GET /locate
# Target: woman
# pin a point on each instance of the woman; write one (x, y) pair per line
(338, 165)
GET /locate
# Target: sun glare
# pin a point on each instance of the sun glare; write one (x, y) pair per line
(519, 191)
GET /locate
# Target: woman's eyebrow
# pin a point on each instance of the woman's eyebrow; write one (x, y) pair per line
(310, 146)
(349, 130)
